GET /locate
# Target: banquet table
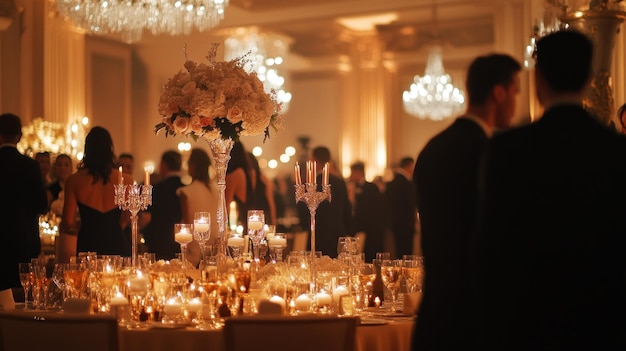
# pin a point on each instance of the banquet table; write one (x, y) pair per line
(395, 334)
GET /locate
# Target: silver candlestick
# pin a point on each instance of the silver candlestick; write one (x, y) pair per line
(308, 194)
(133, 198)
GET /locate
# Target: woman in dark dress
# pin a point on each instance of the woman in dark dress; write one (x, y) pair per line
(91, 191)
(238, 182)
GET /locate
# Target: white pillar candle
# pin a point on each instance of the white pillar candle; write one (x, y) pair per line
(279, 300)
(323, 299)
(183, 237)
(172, 307)
(255, 224)
(339, 292)
(201, 226)
(118, 300)
(232, 214)
(138, 284)
(194, 305)
(303, 302)
(235, 241)
(277, 242)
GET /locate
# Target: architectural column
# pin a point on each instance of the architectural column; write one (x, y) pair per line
(364, 112)
(64, 71)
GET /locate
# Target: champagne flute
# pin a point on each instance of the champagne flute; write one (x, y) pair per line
(256, 221)
(391, 271)
(26, 279)
(202, 229)
(183, 235)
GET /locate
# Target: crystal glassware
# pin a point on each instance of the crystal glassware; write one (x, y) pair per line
(277, 243)
(26, 279)
(256, 221)
(202, 229)
(183, 235)
(413, 272)
(235, 243)
(391, 272)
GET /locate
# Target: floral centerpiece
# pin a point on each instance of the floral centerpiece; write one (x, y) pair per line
(217, 102)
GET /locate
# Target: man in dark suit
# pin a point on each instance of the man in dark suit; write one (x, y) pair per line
(23, 200)
(551, 273)
(165, 210)
(333, 218)
(401, 207)
(367, 210)
(446, 188)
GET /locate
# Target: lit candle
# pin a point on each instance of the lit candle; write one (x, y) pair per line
(314, 181)
(325, 174)
(279, 300)
(298, 179)
(172, 307)
(201, 225)
(120, 178)
(232, 214)
(194, 305)
(183, 237)
(377, 301)
(235, 241)
(118, 300)
(255, 223)
(323, 299)
(277, 241)
(307, 175)
(138, 283)
(147, 178)
(339, 292)
(303, 302)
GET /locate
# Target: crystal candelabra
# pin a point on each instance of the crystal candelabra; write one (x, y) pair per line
(309, 194)
(133, 198)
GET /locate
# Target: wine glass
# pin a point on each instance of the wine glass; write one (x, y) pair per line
(183, 235)
(256, 221)
(391, 271)
(364, 279)
(235, 242)
(26, 279)
(413, 272)
(202, 229)
(277, 243)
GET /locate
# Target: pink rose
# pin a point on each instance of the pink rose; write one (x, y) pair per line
(234, 114)
(181, 125)
(189, 88)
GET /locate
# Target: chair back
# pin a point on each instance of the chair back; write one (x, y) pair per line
(289, 333)
(32, 330)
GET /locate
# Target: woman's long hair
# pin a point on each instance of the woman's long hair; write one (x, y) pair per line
(99, 157)
(201, 161)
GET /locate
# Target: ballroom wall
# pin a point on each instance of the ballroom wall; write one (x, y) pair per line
(350, 104)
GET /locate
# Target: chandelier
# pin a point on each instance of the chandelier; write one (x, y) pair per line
(266, 52)
(433, 96)
(130, 17)
(56, 138)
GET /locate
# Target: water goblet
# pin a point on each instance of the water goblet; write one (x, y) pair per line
(413, 272)
(202, 229)
(391, 272)
(277, 244)
(256, 221)
(183, 235)
(26, 279)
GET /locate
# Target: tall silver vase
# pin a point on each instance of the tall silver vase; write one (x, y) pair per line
(220, 148)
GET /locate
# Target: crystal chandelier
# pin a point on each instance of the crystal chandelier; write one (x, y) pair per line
(266, 55)
(130, 17)
(433, 96)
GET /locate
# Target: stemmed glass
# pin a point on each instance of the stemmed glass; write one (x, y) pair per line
(256, 221)
(236, 242)
(26, 279)
(277, 243)
(391, 271)
(413, 272)
(183, 235)
(41, 281)
(365, 276)
(202, 229)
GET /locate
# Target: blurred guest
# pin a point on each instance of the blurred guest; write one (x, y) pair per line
(551, 269)
(23, 200)
(333, 218)
(165, 210)
(621, 114)
(238, 182)
(401, 207)
(446, 179)
(45, 164)
(127, 162)
(262, 191)
(62, 169)
(368, 205)
(91, 191)
(199, 196)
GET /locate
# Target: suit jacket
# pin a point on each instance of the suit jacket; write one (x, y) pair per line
(445, 179)
(165, 212)
(23, 199)
(332, 218)
(401, 212)
(551, 272)
(366, 217)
